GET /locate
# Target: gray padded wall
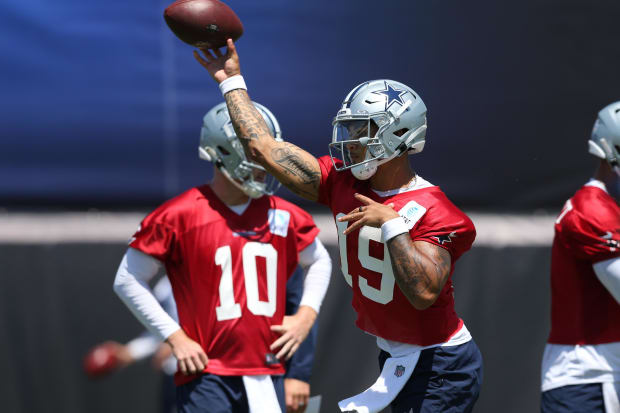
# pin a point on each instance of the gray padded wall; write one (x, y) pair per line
(56, 301)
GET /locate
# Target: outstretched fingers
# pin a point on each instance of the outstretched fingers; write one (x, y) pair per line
(364, 199)
(358, 219)
(200, 59)
(370, 213)
(206, 59)
(231, 49)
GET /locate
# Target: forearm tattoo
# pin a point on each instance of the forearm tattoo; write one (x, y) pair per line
(293, 164)
(247, 121)
(287, 163)
(416, 273)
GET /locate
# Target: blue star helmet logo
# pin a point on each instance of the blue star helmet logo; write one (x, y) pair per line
(392, 95)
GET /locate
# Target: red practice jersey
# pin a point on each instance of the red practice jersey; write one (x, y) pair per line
(228, 273)
(382, 309)
(586, 231)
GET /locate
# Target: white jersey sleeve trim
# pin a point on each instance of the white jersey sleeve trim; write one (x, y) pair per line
(131, 285)
(608, 273)
(315, 260)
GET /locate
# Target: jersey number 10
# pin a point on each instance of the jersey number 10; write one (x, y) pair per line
(228, 308)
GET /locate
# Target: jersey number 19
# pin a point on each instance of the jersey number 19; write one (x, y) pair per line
(385, 293)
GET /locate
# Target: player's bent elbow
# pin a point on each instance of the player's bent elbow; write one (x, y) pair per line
(117, 286)
(257, 149)
(422, 305)
(424, 300)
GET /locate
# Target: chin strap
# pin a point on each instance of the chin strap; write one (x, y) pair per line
(249, 192)
(208, 154)
(366, 170)
(611, 158)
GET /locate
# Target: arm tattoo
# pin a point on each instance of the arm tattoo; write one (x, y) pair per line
(294, 165)
(408, 270)
(290, 167)
(247, 121)
(302, 193)
(418, 273)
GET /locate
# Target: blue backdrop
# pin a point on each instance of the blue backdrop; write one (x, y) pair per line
(102, 105)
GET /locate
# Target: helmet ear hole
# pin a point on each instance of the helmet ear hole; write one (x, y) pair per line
(401, 132)
(223, 150)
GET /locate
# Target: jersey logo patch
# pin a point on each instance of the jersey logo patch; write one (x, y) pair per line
(278, 221)
(411, 213)
(442, 239)
(270, 359)
(399, 371)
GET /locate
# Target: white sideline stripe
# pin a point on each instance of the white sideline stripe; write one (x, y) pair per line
(493, 230)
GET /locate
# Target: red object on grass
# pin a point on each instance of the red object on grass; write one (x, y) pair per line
(101, 360)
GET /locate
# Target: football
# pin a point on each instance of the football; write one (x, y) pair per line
(203, 23)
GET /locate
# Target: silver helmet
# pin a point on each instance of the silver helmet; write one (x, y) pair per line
(378, 121)
(605, 140)
(219, 144)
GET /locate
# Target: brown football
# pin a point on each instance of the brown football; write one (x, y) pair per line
(203, 23)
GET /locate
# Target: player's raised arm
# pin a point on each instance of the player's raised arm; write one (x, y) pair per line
(297, 169)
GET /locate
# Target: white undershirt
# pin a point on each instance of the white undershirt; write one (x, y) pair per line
(131, 285)
(416, 183)
(240, 209)
(398, 349)
(317, 264)
(596, 183)
(147, 344)
(137, 269)
(608, 273)
(565, 365)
